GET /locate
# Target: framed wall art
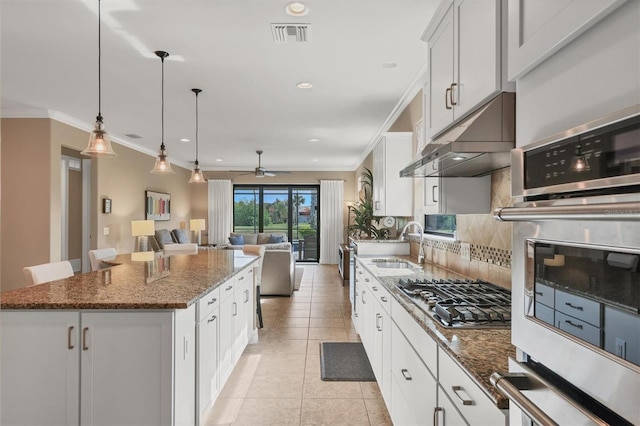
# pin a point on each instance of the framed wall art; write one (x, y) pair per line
(157, 206)
(106, 205)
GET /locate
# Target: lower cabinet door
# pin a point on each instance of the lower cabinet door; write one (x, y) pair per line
(39, 367)
(446, 413)
(207, 371)
(126, 368)
(226, 339)
(414, 388)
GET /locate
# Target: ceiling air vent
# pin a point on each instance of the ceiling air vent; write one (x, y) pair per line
(290, 33)
(133, 136)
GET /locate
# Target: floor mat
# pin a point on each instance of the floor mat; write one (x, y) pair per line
(345, 361)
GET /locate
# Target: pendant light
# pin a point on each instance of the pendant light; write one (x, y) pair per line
(99, 143)
(162, 166)
(196, 173)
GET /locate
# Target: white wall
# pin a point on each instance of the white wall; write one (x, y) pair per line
(596, 74)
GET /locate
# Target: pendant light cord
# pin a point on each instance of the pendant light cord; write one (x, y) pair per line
(196, 128)
(162, 119)
(99, 117)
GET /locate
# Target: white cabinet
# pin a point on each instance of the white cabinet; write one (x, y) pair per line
(207, 381)
(449, 195)
(243, 318)
(228, 310)
(107, 367)
(392, 195)
(465, 60)
(539, 28)
(39, 362)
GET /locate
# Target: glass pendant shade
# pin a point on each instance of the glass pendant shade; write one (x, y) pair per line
(196, 175)
(162, 165)
(99, 142)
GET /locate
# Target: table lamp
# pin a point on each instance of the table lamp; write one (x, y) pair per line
(196, 225)
(142, 229)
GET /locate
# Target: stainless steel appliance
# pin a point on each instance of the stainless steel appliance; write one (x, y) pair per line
(575, 276)
(460, 303)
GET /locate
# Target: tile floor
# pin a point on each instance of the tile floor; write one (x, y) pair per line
(277, 381)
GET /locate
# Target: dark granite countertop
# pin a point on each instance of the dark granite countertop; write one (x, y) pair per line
(480, 351)
(173, 282)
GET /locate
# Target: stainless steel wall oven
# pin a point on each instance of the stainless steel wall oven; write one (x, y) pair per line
(576, 277)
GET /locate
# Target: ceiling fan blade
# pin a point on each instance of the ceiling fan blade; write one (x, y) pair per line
(277, 172)
(270, 174)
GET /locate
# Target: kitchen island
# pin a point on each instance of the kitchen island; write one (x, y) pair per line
(429, 369)
(148, 342)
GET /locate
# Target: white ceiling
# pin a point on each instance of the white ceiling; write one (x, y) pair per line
(249, 100)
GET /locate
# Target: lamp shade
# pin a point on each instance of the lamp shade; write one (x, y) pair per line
(142, 227)
(143, 256)
(196, 224)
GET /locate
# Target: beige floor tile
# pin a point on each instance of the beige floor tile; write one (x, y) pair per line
(276, 363)
(326, 322)
(269, 412)
(288, 333)
(291, 322)
(240, 378)
(223, 412)
(370, 390)
(313, 346)
(377, 412)
(276, 385)
(334, 313)
(333, 334)
(315, 387)
(285, 346)
(334, 412)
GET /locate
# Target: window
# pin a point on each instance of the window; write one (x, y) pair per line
(440, 224)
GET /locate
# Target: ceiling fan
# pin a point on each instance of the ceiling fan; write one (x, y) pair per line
(260, 171)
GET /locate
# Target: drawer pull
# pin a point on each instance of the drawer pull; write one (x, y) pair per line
(383, 298)
(228, 288)
(456, 390)
(235, 309)
(539, 293)
(212, 301)
(436, 410)
(453, 85)
(366, 280)
(374, 288)
(69, 343)
(212, 319)
(447, 94)
(580, 308)
(84, 339)
(378, 317)
(406, 374)
(579, 326)
(240, 278)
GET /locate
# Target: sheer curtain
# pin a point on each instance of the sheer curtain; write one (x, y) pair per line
(220, 211)
(331, 219)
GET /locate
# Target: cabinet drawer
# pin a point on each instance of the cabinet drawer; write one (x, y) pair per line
(545, 313)
(545, 295)
(421, 341)
(245, 276)
(579, 328)
(579, 307)
(466, 395)
(226, 289)
(417, 385)
(208, 303)
(381, 295)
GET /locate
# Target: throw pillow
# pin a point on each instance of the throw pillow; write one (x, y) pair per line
(238, 240)
(180, 236)
(163, 236)
(275, 239)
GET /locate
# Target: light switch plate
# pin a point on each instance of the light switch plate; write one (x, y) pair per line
(465, 251)
(105, 230)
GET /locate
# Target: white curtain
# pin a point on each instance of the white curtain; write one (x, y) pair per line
(220, 211)
(331, 219)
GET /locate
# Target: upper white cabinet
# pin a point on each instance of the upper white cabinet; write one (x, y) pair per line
(465, 42)
(449, 195)
(539, 28)
(392, 195)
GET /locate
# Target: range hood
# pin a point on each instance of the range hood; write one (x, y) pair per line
(476, 146)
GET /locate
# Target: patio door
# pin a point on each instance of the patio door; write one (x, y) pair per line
(292, 209)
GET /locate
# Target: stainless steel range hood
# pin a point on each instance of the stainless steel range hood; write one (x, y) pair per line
(476, 146)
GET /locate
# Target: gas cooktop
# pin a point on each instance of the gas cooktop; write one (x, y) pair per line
(461, 303)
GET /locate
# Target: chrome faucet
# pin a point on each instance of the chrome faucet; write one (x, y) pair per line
(404, 234)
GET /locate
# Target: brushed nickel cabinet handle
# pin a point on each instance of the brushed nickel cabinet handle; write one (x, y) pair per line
(406, 374)
(212, 301)
(433, 193)
(436, 410)
(456, 390)
(246, 292)
(580, 308)
(447, 95)
(378, 317)
(84, 339)
(69, 343)
(374, 288)
(235, 309)
(578, 326)
(383, 298)
(212, 319)
(240, 278)
(453, 85)
(228, 288)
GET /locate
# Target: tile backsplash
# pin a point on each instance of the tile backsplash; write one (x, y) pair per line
(490, 240)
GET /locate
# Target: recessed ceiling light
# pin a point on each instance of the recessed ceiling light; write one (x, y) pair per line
(304, 85)
(184, 140)
(315, 160)
(296, 9)
(314, 140)
(218, 159)
(389, 65)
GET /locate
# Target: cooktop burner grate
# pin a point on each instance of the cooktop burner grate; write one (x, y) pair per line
(461, 303)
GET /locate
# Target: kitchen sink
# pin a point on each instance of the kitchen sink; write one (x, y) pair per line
(392, 263)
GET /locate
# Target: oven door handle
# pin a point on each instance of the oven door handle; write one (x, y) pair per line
(606, 211)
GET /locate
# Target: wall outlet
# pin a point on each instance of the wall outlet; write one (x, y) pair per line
(105, 230)
(465, 251)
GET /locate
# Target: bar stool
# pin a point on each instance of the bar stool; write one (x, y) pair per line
(95, 256)
(46, 272)
(257, 250)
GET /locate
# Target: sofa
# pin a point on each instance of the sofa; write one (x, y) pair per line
(173, 242)
(278, 265)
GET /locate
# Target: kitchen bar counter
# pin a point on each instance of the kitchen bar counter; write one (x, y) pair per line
(479, 351)
(173, 282)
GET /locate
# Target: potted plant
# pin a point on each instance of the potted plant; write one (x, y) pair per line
(362, 213)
